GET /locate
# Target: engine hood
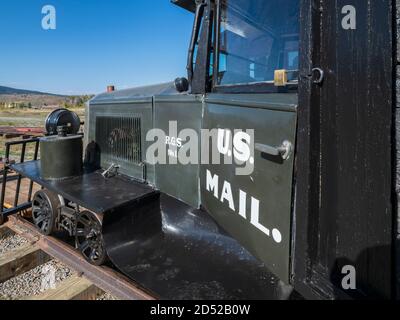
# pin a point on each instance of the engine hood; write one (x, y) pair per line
(145, 92)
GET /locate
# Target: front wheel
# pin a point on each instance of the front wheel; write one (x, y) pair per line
(45, 206)
(89, 238)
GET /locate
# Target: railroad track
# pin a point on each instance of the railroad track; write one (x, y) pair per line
(85, 281)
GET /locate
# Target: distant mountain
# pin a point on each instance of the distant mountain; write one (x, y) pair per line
(13, 91)
(19, 98)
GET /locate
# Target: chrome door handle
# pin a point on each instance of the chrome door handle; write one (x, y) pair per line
(284, 151)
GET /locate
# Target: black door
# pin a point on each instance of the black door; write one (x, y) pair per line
(254, 205)
(344, 162)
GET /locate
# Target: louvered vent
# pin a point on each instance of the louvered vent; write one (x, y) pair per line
(119, 138)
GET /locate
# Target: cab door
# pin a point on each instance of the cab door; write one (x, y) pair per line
(249, 191)
(344, 196)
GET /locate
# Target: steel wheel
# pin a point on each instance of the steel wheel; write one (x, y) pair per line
(89, 238)
(45, 207)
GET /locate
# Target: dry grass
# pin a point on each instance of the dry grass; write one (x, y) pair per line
(24, 118)
(15, 151)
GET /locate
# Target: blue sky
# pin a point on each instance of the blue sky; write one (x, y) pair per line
(97, 42)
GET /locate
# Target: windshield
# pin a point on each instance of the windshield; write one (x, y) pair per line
(257, 37)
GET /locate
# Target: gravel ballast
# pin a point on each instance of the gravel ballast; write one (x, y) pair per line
(11, 242)
(30, 283)
(106, 297)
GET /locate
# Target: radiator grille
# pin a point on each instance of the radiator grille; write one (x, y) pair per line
(119, 138)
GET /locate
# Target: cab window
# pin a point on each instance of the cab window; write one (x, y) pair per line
(256, 38)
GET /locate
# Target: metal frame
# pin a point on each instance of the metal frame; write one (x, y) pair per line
(17, 208)
(200, 81)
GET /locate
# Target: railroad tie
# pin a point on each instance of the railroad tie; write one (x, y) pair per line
(21, 260)
(74, 288)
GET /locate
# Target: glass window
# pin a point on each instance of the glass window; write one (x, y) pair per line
(258, 37)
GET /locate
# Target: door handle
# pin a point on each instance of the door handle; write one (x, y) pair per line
(318, 75)
(284, 151)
